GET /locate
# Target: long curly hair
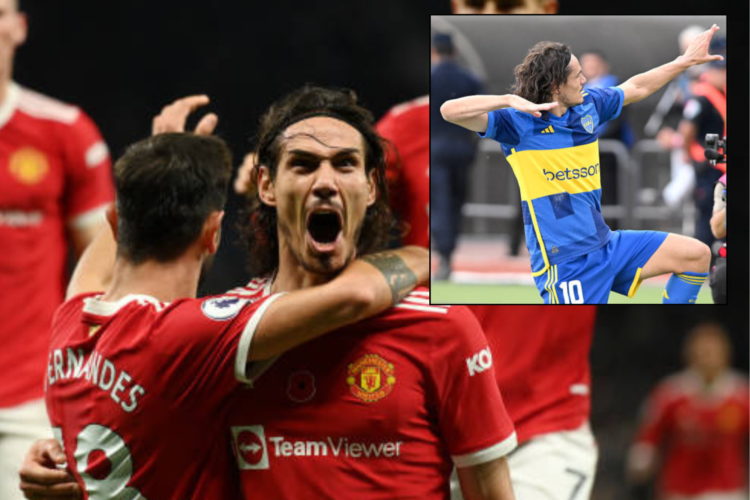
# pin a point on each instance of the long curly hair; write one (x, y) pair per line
(259, 221)
(544, 69)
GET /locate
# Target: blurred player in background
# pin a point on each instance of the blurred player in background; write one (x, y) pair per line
(549, 406)
(55, 182)
(504, 6)
(170, 353)
(408, 168)
(550, 140)
(452, 150)
(694, 432)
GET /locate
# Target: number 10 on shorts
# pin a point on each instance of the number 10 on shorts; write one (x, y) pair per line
(572, 292)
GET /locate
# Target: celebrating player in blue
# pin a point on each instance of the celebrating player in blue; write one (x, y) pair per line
(549, 130)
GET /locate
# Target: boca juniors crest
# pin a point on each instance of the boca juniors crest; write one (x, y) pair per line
(371, 378)
(588, 123)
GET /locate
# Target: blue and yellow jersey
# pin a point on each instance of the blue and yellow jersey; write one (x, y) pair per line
(556, 162)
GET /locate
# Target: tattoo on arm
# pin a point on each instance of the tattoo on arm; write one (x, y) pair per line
(400, 278)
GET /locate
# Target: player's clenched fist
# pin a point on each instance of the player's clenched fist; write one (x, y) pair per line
(173, 116)
(40, 477)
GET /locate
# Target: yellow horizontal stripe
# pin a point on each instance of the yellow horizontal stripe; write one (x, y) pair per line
(553, 171)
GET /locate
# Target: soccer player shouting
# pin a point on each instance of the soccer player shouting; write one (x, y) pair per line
(380, 411)
(140, 376)
(549, 133)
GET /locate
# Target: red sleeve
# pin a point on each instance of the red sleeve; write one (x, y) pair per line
(88, 170)
(204, 344)
(471, 413)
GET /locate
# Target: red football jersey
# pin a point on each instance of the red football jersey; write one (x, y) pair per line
(703, 432)
(407, 127)
(542, 358)
(54, 173)
(138, 393)
(381, 409)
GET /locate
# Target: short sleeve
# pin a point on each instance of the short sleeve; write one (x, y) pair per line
(502, 126)
(607, 101)
(471, 414)
(204, 344)
(88, 172)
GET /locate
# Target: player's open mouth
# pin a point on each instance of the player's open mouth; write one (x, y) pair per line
(324, 228)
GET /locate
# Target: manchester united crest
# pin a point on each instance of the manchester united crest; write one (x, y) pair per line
(28, 165)
(371, 378)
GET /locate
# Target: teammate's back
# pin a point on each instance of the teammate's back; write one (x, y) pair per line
(137, 390)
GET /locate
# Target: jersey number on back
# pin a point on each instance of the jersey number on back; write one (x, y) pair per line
(95, 438)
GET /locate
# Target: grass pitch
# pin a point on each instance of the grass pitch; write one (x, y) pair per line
(445, 292)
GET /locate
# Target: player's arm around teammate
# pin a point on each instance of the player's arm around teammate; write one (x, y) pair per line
(367, 286)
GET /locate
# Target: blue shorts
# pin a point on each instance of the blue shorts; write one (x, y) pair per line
(616, 267)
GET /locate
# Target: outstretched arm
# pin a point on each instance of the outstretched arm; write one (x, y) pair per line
(641, 86)
(366, 287)
(471, 112)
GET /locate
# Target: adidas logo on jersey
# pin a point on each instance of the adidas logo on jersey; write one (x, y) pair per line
(548, 130)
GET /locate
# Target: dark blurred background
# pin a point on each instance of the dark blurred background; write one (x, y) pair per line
(122, 63)
(634, 348)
